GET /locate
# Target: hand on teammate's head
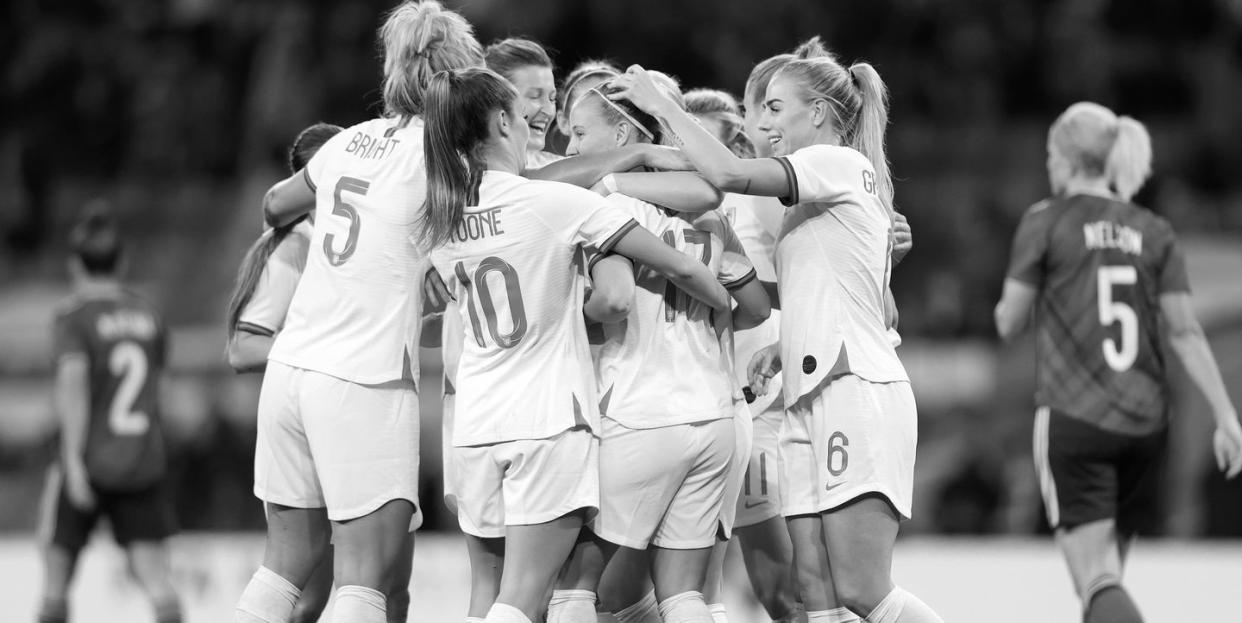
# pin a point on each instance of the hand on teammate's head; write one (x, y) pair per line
(637, 86)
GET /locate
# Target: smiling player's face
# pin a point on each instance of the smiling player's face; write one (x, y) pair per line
(786, 123)
(537, 99)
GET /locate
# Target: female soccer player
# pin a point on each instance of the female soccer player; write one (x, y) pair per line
(527, 65)
(667, 441)
(588, 74)
(509, 245)
(1103, 274)
(848, 441)
(338, 414)
(110, 348)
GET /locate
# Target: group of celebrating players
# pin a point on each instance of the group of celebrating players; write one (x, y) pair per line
(620, 397)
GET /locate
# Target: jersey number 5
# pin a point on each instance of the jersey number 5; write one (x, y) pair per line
(1119, 358)
(340, 208)
(128, 362)
(513, 294)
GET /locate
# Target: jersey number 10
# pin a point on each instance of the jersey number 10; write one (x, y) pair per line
(1119, 357)
(513, 293)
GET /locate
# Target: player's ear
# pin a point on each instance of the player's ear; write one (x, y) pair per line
(621, 133)
(819, 112)
(502, 124)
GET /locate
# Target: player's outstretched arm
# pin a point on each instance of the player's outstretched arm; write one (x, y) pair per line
(749, 176)
(288, 200)
(1187, 340)
(680, 191)
(1013, 312)
(689, 274)
(73, 407)
(753, 305)
(612, 290)
(586, 170)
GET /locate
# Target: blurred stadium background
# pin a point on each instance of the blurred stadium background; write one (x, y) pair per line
(178, 113)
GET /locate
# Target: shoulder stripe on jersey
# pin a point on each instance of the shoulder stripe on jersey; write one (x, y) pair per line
(741, 281)
(616, 237)
(250, 327)
(309, 181)
(595, 259)
(792, 178)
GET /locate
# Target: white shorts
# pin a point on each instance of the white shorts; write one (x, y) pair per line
(743, 433)
(526, 482)
(760, 499)
(663, 486)
(851, 438)
(327, 442)
(451, 469)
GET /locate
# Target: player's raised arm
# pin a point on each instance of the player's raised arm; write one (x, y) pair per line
(1187, 340)
(760, 176)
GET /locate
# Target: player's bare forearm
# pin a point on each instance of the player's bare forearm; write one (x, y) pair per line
(681, 191)
(586, 170)
(288, 200)
(248, 352)
(689, 274)
(1013, 312)
(1192, 348)
(73, 409)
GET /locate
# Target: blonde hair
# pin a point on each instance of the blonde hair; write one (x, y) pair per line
(857, 99)
(1099, 143)
(719, 105)
(418, 40)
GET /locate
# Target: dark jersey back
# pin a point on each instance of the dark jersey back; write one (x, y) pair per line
(1100, 266)
(123, 340)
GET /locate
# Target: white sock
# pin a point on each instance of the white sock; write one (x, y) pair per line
(687, 607)
(504, 613)
(268, 598)
(474, 620)
(359, 604)
(902, 607)
(645, 611)
(836, 615)
(719, 615)
(572, 606)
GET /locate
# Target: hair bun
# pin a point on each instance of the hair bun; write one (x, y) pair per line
(813, 48)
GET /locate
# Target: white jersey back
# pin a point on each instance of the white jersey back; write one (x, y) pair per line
(514, 267)
(663, 365)
(265, 312)
(834, 265)
(757, 222)
(356, 312)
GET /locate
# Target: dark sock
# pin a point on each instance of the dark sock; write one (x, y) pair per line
(1112, 605)
(53, 611)
(170, 613)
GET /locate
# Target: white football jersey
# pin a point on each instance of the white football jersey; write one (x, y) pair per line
(269, 303)
(834, 265)
(356, 314)
(663, 365)
(514, 267)
(757, 223)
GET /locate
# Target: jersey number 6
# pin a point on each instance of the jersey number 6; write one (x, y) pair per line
(513, 294)
(340, 208)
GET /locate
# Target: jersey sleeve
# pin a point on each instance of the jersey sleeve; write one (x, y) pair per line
(1172, 269)
(1030, 247)
(68, 338)
(265, 313)
(825, 173)
(581, 217)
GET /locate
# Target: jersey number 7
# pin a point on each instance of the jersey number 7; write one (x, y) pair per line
(674, 299)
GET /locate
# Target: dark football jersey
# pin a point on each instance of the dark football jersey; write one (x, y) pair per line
(1100, 266)
(123, 340)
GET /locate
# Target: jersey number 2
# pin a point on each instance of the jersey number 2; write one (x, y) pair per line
(1119, 357)
(513, 293)
(128, 362)
(340, 208)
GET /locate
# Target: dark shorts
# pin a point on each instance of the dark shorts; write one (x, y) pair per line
(1087, 473)
(142, 515)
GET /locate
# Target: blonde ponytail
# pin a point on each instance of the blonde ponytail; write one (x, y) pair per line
(1129, 161)
(867, 135)
(420, 39)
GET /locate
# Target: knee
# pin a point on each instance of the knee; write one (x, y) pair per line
(310, 604)
(859, 593)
